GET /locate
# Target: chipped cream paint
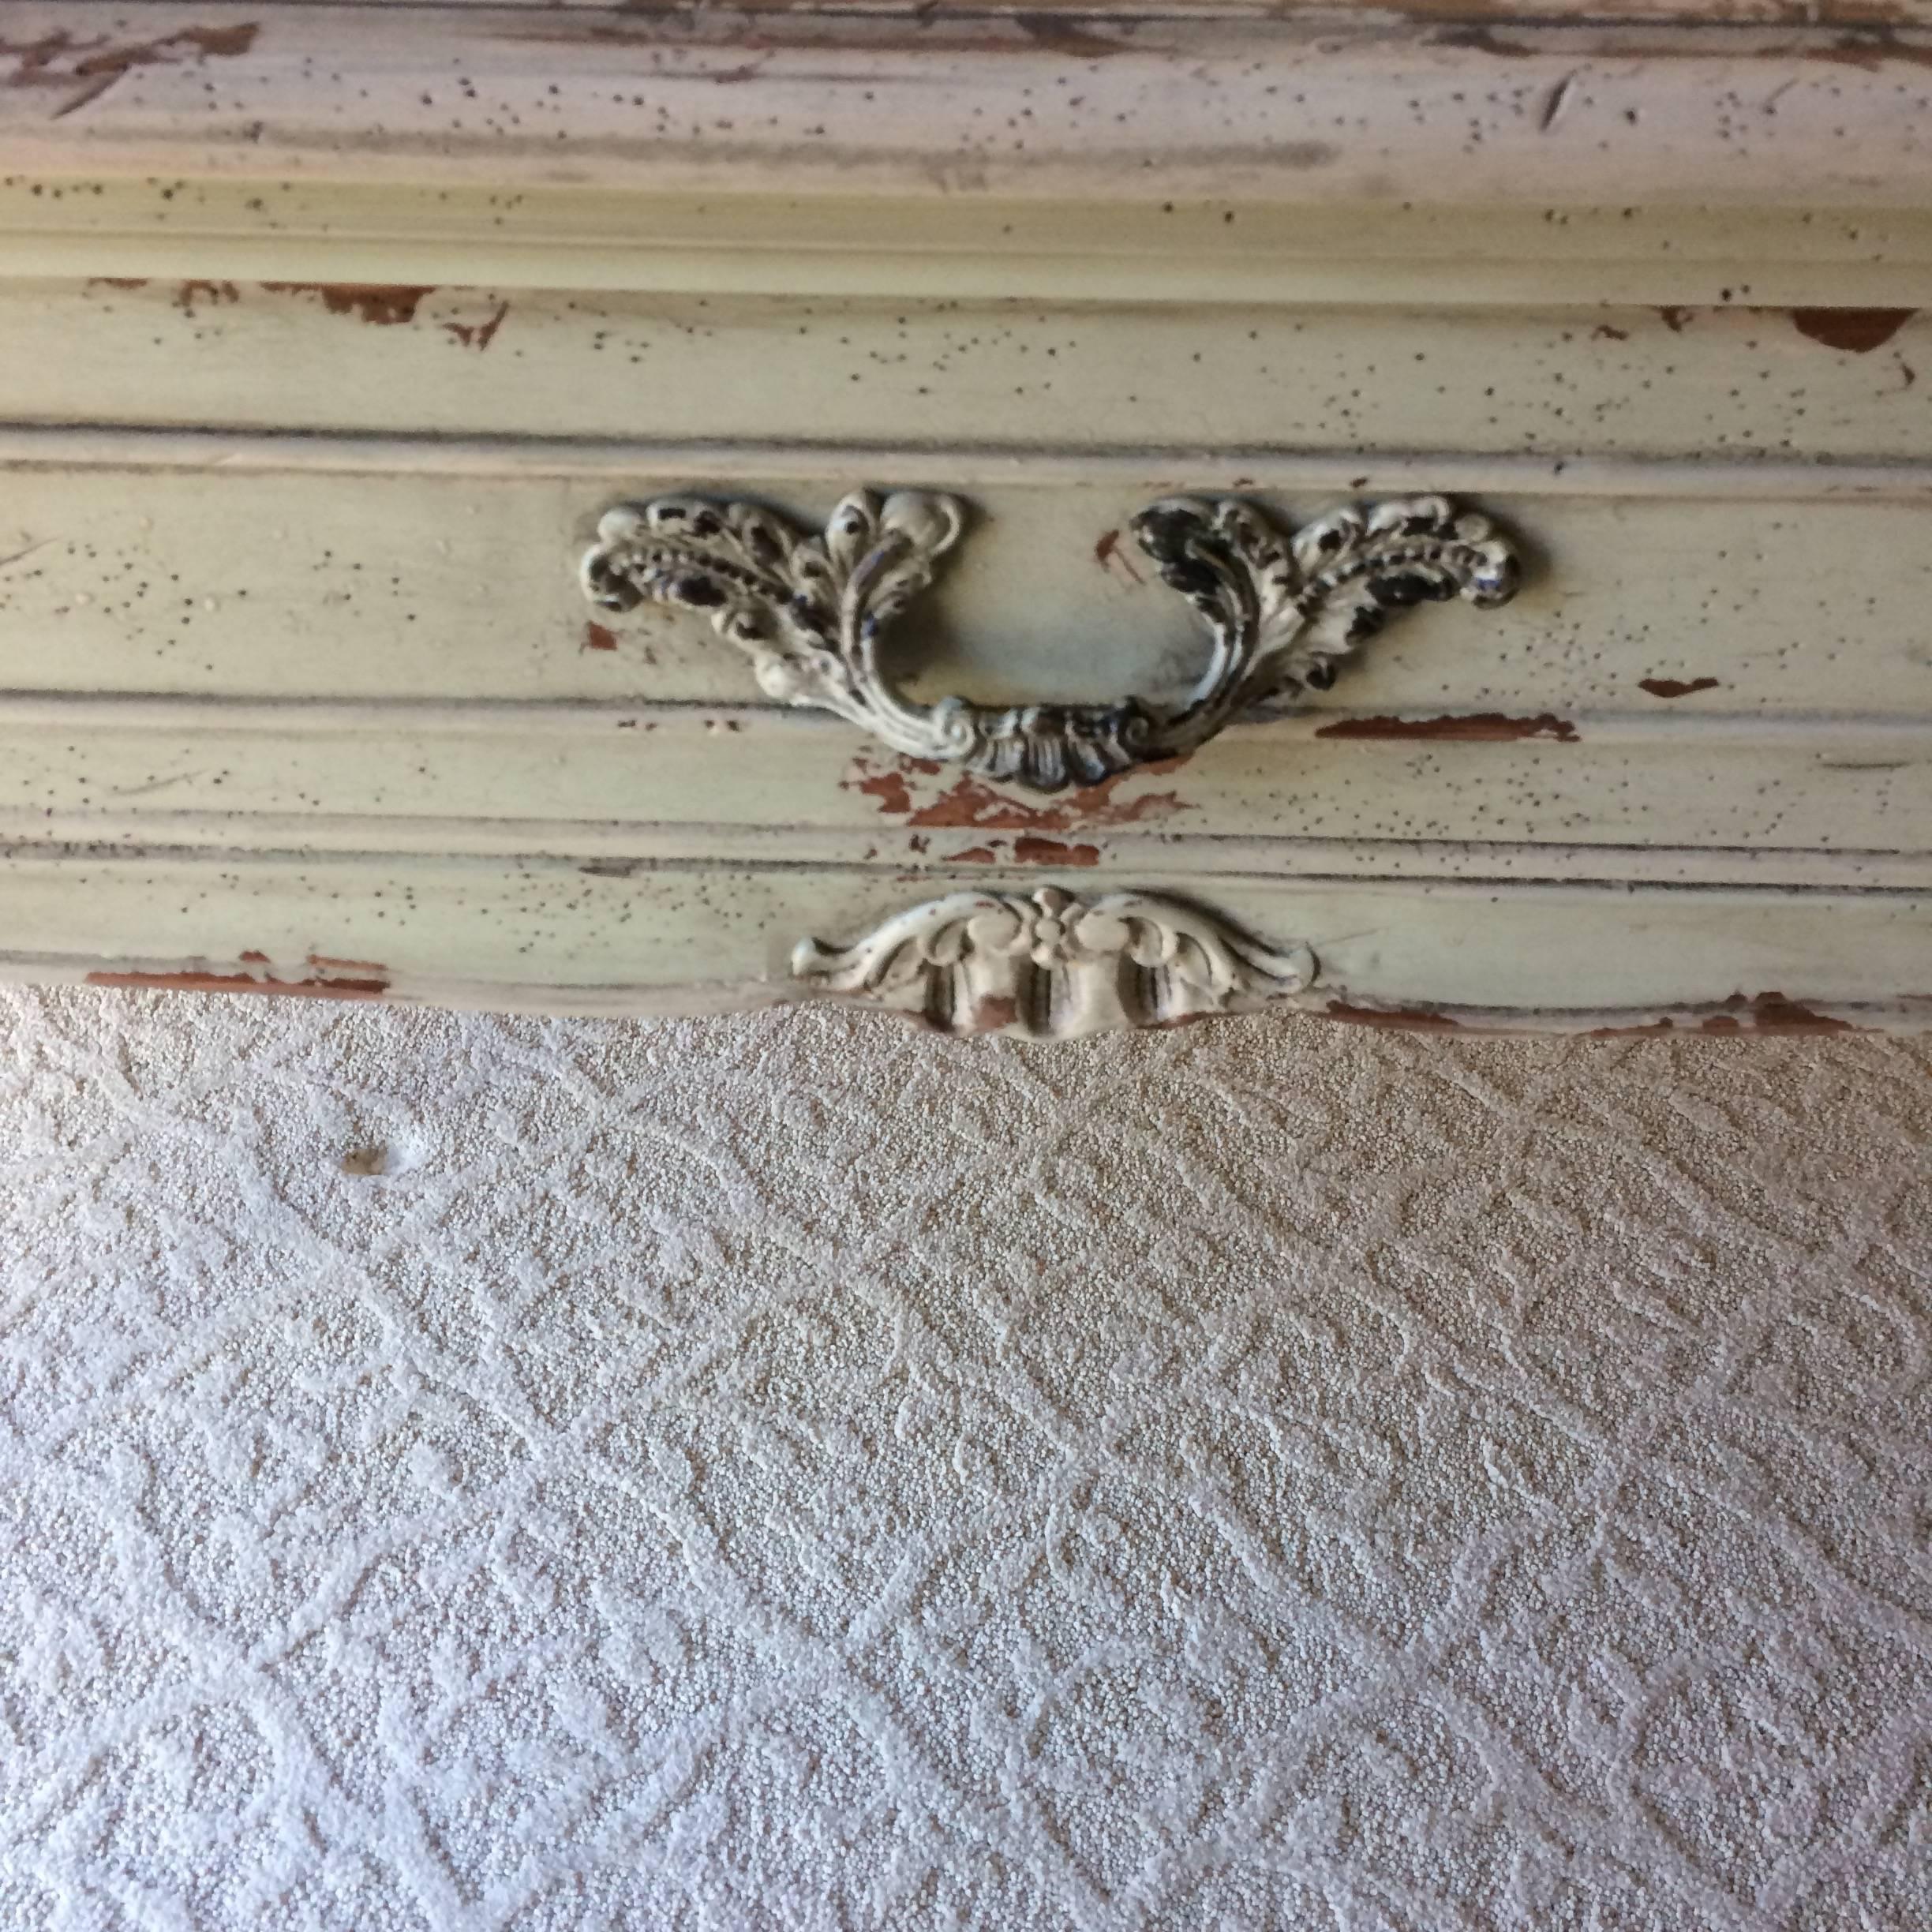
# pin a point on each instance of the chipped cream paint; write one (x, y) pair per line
(1737, 381)
(390, 581)
(402, 777)
(1173, 252)
(922, 107)
(312, 389)
(1216, 159)
(544, 935)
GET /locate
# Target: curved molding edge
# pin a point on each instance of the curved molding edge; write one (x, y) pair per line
(1052, 965)
(1281, 612)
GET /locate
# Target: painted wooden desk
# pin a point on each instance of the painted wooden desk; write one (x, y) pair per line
(1045, 520)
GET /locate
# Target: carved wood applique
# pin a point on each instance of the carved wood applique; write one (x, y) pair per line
(1055, 965)
(1281, 612)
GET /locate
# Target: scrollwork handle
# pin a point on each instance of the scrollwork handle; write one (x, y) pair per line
(1281, 612)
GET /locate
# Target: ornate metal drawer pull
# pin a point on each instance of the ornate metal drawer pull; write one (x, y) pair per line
(1281, 612)
(1055, 965)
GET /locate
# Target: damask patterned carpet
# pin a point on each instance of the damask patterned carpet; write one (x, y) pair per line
(471, 1474)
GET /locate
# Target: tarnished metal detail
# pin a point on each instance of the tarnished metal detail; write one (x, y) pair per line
(1055, 965)
(1281, 612)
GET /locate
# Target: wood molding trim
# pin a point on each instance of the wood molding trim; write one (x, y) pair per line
(1305, 157)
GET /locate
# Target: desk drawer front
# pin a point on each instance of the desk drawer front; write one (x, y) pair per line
(345, 640)
(1748, 671)
(211, 570)
(1604, 379)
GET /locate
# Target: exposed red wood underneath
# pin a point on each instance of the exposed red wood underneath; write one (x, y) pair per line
(1855, 331)
(890, 788)
(383, 305)
(970, 802)
(322, 963)
(1402, 1019)
(1771, 1013)
(1675, 687)
(242, 983)
(1858, 332)
(328, 979)
(57, 58)
(1472, 727)
(973, 804)
(1739, 1015)
(1029, 850)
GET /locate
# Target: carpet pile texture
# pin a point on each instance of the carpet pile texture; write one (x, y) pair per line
(470, 1474)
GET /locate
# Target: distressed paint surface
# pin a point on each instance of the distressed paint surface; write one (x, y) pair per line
(440, 586)
(1320, 110)
(544, 933)
(1728, 785)
(1185, 249)
(327, 333)
(1627, 381)
(1049, 19)
(1206, 159)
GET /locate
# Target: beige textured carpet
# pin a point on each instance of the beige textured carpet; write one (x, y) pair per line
(462, 1472)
